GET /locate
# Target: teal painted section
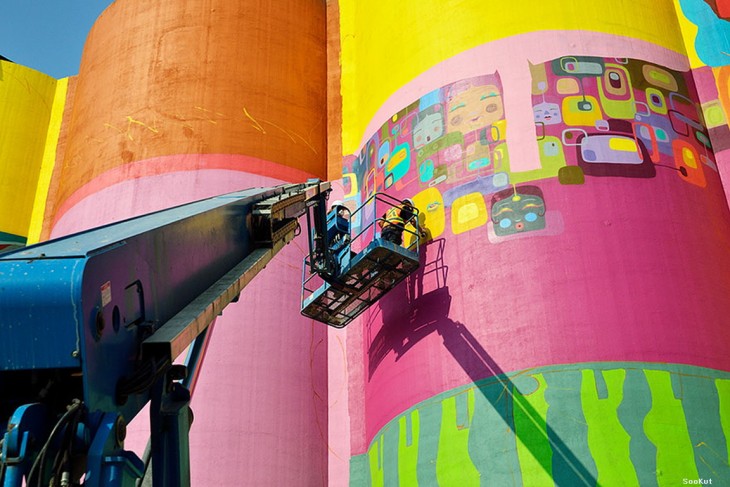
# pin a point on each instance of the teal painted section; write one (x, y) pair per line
(709, 444)
(515, 428)
(493, 450)
(360, 471)
(390, 455)
(631, 413)
(9, 238)
(568, 431)
(428, 450)
(713, 35)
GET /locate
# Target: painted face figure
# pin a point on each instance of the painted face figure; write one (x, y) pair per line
(518, 211)
(427, 127)
(547, 113)
(471, 107)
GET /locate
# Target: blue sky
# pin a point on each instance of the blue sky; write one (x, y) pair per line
(47, 35)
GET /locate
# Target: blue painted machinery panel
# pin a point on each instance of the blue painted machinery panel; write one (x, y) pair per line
(91, 323)
(85, 302)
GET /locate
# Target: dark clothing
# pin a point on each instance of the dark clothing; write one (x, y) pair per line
(407, 214)
(393, 233)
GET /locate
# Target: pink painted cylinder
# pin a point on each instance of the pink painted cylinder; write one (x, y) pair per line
(568, 323)
(188, 100)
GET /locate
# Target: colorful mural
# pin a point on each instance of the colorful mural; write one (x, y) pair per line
(705, 28)
(446, 150)
(564, 157)
(621, 117)
(711, 42)
(374, 35)
(619, 141)
(612, 424)
(594, 117)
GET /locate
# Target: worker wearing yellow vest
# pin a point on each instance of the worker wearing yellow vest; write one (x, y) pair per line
(394, 221)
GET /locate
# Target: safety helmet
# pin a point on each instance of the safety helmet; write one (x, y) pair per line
(409, 202)
(336, 203)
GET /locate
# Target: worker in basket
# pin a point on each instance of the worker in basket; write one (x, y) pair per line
(394, 222)
(338, 225)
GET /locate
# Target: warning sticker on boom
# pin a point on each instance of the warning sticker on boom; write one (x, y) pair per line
(106, 293)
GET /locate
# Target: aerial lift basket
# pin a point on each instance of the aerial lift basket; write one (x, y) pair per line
(361, 277)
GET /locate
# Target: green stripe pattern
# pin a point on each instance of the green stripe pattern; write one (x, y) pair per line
(608, 424)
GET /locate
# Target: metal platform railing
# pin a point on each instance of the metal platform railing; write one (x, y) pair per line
(369, 267)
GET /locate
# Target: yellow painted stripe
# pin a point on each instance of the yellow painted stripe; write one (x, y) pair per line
(385, 45)
(26, 97)
(689, 33)
(49, 162)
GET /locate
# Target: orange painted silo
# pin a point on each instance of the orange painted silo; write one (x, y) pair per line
(178, 101)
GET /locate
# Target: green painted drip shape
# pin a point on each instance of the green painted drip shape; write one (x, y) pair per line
(604, 428)
(723, 392)
(408, 448)
(609, 424)
(666, 427)
(453, 464)
(533, 445)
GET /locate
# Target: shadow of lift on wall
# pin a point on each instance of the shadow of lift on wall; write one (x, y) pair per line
(404, 326)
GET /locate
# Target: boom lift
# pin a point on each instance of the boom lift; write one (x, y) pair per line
(359, 269)
(91, 323)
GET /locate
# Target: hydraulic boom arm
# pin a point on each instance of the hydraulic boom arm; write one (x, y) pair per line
(91, 323)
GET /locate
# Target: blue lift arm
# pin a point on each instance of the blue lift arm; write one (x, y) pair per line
(91, 323)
